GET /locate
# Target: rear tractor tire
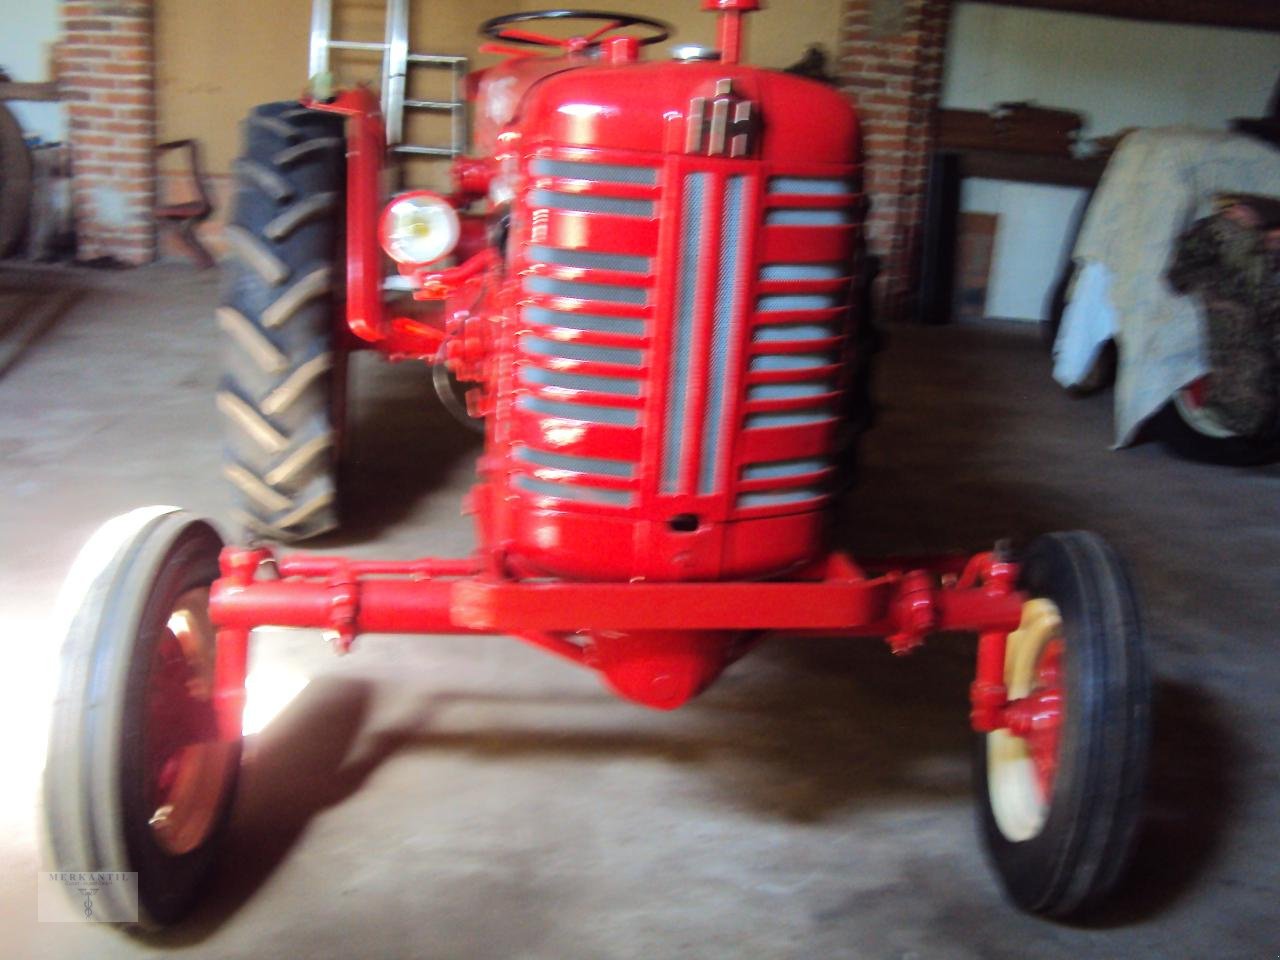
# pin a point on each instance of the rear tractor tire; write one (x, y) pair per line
(282, 395)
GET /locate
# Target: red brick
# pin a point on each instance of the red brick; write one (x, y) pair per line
(79, 25)
(87, 111)
(129, 98)
(136, 126)
(128, 68)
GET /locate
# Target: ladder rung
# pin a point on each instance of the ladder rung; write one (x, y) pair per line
(424, 151)
(449, 105)
(435, 58)
(356, 45)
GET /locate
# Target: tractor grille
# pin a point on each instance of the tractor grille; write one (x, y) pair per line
(797, 341)
(740, 372)
(702, 243)
(584, 339)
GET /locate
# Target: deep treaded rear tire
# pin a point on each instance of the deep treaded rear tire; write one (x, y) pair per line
(281, 396)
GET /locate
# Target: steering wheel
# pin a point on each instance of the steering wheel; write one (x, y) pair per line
(499, 28)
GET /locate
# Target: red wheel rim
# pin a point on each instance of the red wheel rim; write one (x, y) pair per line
(187, 768)
(1045, 705)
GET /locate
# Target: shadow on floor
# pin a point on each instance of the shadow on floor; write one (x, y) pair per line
(799, 739)
(402, 445)
(1192, 798)
(32, 302)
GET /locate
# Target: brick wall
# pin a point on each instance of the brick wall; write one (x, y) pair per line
(891, 57)
(106, 66)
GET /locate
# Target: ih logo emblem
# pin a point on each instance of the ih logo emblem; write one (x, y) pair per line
(725, 126)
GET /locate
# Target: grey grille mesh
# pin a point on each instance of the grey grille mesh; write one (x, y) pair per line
(583, 321)
(590, 261)
(775, 332)
(732, 228)
(810, 186)
(777, 303)
(806, 217)
(584, 203)
(791, 361)
(618, 386)
(686, 305)
(782, 469)
(591, 413)
(560, 461)
(779, 497)
(570, 491)
(787, 391)
(801, 271)
(581, 351)
(608, 292)
(612, 172)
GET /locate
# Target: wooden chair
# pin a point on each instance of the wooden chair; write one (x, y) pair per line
(185, 216)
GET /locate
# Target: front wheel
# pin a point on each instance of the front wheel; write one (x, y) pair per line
(1059, 800)
(137, 777)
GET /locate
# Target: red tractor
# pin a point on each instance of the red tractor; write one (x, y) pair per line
(648, 280)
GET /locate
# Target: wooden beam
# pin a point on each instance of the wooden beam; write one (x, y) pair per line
(28, 91)
(1242, 14)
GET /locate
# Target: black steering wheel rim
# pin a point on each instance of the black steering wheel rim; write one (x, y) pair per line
(492, 28)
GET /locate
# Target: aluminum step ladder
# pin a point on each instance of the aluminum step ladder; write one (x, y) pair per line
(396, 62)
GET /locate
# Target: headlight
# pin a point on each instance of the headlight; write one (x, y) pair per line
(419, 228)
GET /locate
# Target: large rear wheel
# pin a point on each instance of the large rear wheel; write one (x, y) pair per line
(1059, 791)
(283, 393)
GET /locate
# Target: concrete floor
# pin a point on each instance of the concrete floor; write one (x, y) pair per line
(469, 798)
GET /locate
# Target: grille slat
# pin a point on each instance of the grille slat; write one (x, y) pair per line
(790, 361)
(787, 391)
(777, 498)
(590, 203)
(786, 302)
(800, 418)
(618, 386)
(622, 469)
(573, 491)
(620, 356)
(584, 170)
(782, 469)
(584, 321)
(793, 332)
(618, 262)
(587, 412)
(605, 292)
(807, 217)
(810, 186)
(801, 271)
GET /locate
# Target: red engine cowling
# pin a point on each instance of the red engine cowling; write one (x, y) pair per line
(670, 364)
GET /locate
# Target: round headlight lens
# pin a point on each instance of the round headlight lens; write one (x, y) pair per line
(419, 228)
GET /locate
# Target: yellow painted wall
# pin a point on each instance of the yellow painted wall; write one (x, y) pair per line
(216, 60)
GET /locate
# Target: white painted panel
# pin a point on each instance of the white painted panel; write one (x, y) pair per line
(1033, 242)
